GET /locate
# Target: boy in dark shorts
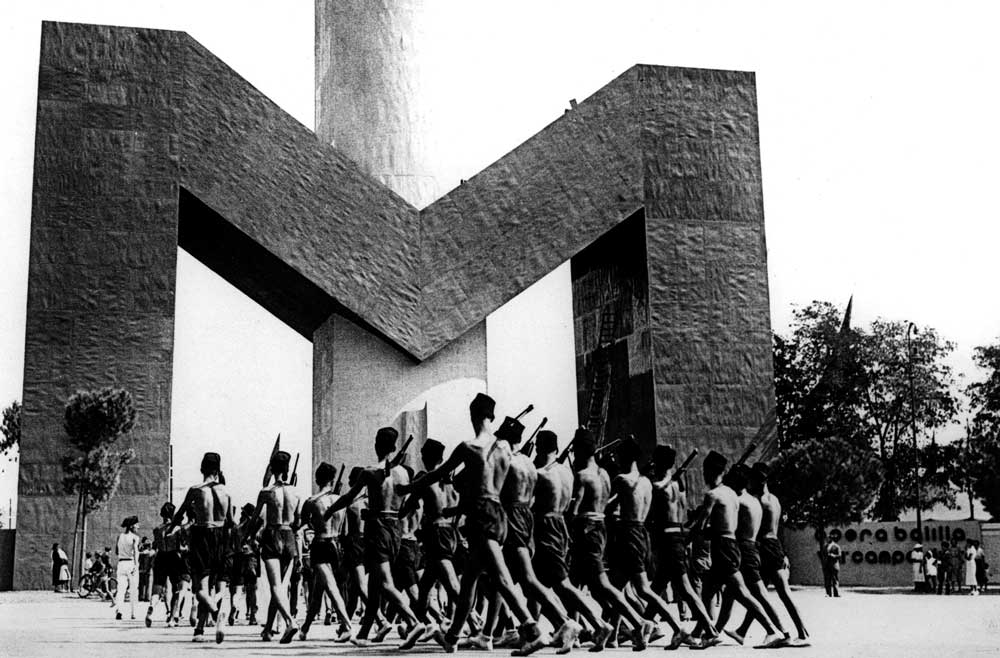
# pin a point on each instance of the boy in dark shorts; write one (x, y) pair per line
(209, 554)
(591, 491)
(633, 494)
(720, 511)
(278, 506)
(167, 565)
(383, 482)
(486, 462)
(773, 564)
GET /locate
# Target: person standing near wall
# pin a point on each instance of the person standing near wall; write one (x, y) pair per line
(60, 569)
(916, 560)
(931, 570)
(831, 571)
(127, 549)
(970, 568)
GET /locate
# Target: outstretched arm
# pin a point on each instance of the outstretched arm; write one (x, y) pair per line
(348, 497)
(436, 475)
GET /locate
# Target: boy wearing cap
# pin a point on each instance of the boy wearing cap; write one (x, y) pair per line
(632, 494)
(720, 510)
(773, 564)
(669, 542)
(209, 556)
(486, 463)
(166, 561)
(324, 551)
(382, 536)
(553, 494)
(591, 491)
(278, 506)
(439, 535)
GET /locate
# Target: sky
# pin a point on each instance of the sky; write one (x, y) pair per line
(877, 133)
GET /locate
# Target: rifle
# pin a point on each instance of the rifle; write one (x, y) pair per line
(400, 455)
(565, 453)
(267, 471)
(529, 445)
(295, 475)
(527, 410)
(340, 478)
(679, 473)
(746, 453)
(607, 446)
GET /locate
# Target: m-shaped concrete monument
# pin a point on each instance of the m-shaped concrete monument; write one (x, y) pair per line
(145, 141)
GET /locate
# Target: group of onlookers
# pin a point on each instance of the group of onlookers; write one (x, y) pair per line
(949, 568)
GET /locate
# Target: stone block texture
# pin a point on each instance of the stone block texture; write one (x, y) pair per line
(145, 140)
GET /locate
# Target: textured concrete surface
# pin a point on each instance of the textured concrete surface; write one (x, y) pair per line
(145, 139)
(859, 625)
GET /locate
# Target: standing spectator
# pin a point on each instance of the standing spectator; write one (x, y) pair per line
(88, 562)
(127, 548)
(970, 567)
(60, 569)
(982, 577)
(946, 568)
(145, 566)
(931, 570)
(916, 560)
(831, 573)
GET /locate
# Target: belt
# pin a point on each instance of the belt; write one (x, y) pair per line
(443, 523)
(673, 530)
(553, 515)
(388, 514)
(125, 559)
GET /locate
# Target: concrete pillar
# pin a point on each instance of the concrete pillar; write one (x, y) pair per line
(369, 98)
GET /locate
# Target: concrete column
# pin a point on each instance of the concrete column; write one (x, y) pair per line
(369, 98)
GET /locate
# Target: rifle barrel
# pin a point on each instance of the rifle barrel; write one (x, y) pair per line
(608, 446)
(683, 467)
(526, 411)
(746, 453)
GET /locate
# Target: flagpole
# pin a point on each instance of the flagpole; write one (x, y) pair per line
(913, 426)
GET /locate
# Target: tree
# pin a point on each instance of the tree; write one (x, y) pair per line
(837, 381)
(94, 421)
(824, 482)
(981, 458)
(10, 427)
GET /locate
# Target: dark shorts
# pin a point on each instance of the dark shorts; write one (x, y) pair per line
(169, 566)
(353, 547)
(772, 558)
(671, 556)
(520, 529)
(278, 543)
(633, 547)
(587, 550)
(404, 568)
(725, 558)
(381, 540)
(440, 542)
(551, 547)
(209, 553)
(325, 551)
(485, 520)
(749, 560)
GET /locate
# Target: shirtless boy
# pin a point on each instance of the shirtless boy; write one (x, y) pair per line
(669, 542)
(773, 569)
(591, 491)
(209, 556)
(324, 551)
(720, 510)
(439, 534)
(167, 563)
(486, 463)
(382, 535)
(747, 526)
(553, 494)
(278, 506)
(633, 494)
(516, 496)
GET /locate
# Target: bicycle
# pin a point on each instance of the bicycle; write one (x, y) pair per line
(89, 584)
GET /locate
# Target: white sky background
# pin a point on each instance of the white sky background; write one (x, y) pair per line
(877, 127)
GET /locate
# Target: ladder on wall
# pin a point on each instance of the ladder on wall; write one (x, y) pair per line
(600, 383)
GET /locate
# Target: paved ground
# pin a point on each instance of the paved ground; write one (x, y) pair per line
(860, 623)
